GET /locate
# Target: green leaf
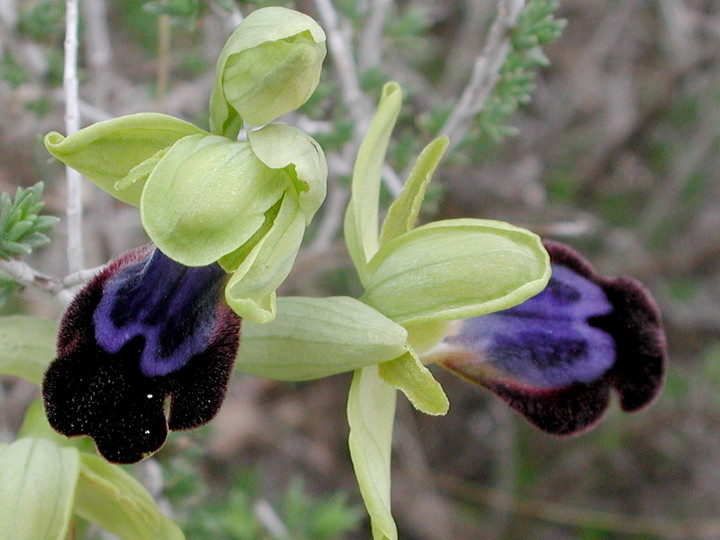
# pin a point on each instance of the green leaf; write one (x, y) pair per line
(27, 346)
(105, 152)
(371, 414)
(113, 499)
(455, 269)
(317, 337)
(206, 197)
(20, 225)
(404, 211)
(288, 148)
(270, 65)
(37, 489)
(361, 218)
(409, 375)
(251, 289)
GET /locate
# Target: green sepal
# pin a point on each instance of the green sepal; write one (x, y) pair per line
(107, 151)
(269, 66)
(455, 269)
(317, 337)
(206, 197)
(361, 218)
(114, 500)
(371, 415)
(251, 289)
(409, 375)
(37, 489)
(27, 346)
(404, 210)
(288, 148)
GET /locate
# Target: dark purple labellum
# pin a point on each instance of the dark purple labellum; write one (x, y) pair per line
(144, 330)
(555, 357)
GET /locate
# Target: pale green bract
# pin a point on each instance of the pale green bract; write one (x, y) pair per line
(37, 489)
(27, 346)
(101, 493)
(318, 337)
(269, 66)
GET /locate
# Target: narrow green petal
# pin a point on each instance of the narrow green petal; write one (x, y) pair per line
(251, 289)
(284, 147)
(403, 212)
(317, 337)
(27, 346)
(37, 489)
(206, 197)
(118, 503)
(455, 269)
(371, 415)
(105, 152)
(362, 221)
(406, 373)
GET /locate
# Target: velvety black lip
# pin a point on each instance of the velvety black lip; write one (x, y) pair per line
(106, 395)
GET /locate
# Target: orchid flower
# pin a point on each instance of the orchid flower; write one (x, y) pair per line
(529, 320)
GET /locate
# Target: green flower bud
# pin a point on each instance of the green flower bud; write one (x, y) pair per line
(269, 66)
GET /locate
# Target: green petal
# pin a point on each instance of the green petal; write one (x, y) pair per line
(403, 212)
(371, 414)
(285, 147)
(27, 346)
(106, 152)
(251, 289)
(206, 197)
(37, 489)
(407, 374)
(270, 65)
(361, 218)
(456, 269)
(317, 337)
(118, 503)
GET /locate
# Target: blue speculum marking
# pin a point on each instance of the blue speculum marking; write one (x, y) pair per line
(546, 342)
(169, 305)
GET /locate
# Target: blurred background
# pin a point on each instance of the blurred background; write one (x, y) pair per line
(614, 149)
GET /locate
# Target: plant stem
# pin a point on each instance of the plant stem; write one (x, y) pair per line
(73, 210)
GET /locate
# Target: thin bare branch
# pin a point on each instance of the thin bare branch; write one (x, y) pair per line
(72, 124)
(371, 40)
(341, 50)
(485, 73)
(27, 276)
(98, 49)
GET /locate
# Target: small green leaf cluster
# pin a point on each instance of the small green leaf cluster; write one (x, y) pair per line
(536, 26)
(22, 229)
